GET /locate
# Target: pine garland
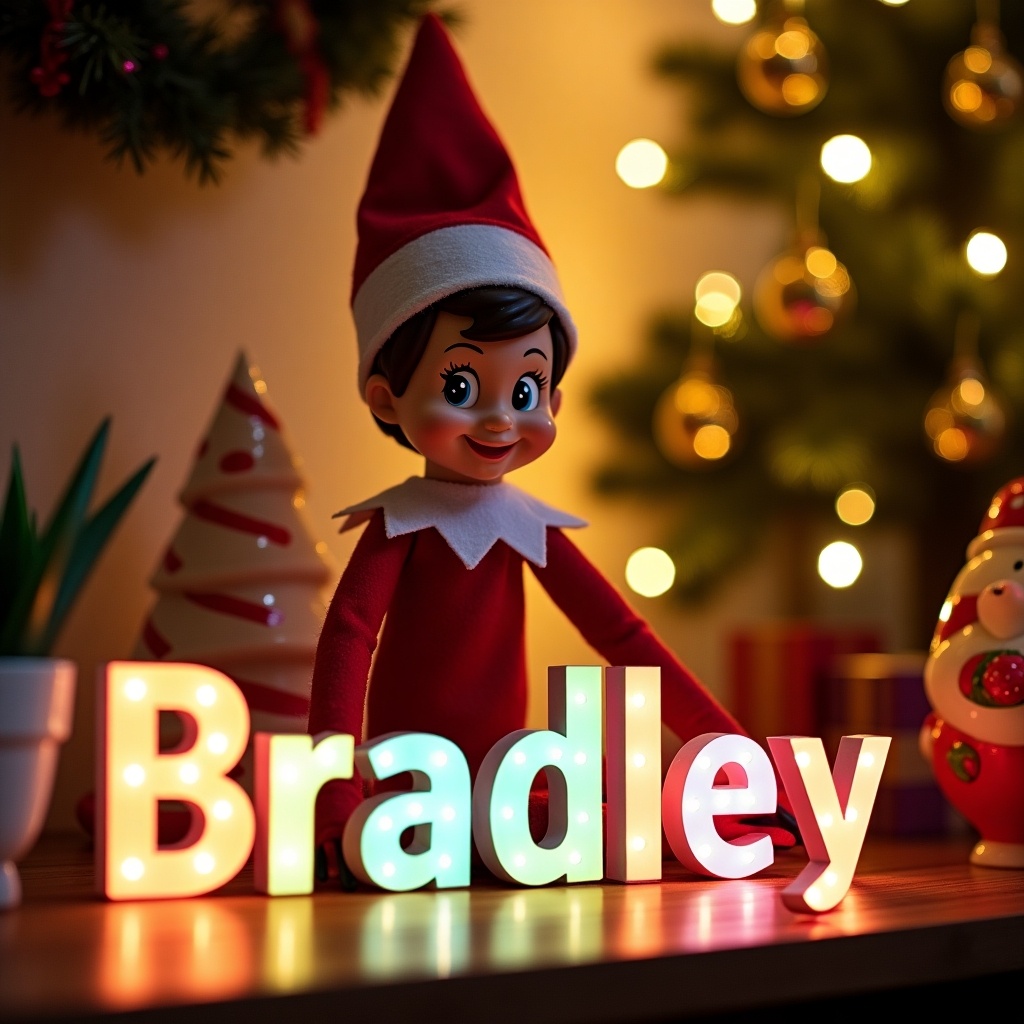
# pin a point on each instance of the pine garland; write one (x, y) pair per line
(153, 76)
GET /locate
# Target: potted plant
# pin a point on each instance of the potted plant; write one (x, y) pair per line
(41, 574)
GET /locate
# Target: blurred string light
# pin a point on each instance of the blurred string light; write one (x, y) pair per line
(650, 572)
(717, 296)
(839, 564)
(846, 158)
(985, 253)
(894, 3)
(734, 12)
(855, 505)
(641, 163)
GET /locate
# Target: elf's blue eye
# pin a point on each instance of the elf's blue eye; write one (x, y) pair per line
(526, 393)
(460, 387)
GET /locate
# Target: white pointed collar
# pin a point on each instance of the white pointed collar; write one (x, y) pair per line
(470, 517)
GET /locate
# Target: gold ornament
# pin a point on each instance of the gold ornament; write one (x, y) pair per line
(783, 68)
(695, 420)
(965, 421)
(983, 84)
(802, 294)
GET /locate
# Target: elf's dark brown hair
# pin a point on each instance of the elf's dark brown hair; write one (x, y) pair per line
(498, 313)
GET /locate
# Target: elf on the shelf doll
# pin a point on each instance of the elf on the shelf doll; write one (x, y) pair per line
(463, 340)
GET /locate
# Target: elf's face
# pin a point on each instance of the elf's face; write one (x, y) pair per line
(475, 410)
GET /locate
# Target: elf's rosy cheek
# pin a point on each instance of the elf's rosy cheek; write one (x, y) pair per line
(1001, 609)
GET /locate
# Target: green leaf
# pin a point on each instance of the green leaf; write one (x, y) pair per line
(48, 571)
(58, 537)
(20, 563)
(86, 550)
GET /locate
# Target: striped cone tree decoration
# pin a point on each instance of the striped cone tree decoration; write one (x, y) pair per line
(241, 585)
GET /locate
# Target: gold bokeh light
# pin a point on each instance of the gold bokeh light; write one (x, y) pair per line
(985, 253)
(855, 505)
(641, 163)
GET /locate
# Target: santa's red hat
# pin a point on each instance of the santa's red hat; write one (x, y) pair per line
(442, 210)
(1003, 522)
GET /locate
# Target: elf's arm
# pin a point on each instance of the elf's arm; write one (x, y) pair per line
(622, 637)
(343, 655)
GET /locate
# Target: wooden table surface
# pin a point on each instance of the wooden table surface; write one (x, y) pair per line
(917, 914)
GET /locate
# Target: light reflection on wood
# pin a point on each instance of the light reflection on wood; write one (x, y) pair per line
(66, 951)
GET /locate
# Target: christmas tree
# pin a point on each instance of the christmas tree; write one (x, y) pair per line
(873, 357)
(240, 587)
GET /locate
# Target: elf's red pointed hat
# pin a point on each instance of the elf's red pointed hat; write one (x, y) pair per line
(442, 210)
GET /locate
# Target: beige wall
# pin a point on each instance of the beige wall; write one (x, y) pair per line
(132, 296)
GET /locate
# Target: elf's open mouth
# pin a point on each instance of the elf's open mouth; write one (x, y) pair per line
(494, 452)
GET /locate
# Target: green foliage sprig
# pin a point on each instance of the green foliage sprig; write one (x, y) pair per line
(150, 76)
(41, 573)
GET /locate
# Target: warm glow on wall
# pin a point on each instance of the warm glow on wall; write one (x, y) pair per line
(832, 811)
(641, 163)
(290, 769)
(134, 775)
(633, 760)
(570, 754)
(690, 801)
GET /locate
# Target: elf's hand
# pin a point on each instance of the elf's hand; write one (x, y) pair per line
(780, 827)
(329, 864)
(334, 806)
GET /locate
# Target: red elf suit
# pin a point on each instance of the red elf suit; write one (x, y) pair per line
(440, 564)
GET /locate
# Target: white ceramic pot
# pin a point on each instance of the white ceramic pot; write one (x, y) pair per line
(37, 702)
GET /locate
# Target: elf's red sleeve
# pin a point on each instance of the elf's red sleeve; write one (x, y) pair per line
(343, 655)
(621, 637)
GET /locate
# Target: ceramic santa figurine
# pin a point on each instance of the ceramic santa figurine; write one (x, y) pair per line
(974, 679)
(464, 336)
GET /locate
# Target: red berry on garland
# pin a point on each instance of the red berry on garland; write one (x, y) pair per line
(963, 759)
(160, 51)
(1003, 680)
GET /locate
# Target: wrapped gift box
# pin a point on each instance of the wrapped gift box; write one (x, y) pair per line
(884, 694)
(780, 673)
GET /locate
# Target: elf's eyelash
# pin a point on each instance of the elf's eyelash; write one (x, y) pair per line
(453, 369)
(542, 381)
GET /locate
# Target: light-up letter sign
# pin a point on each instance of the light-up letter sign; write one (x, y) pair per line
(290, 769)
(690, 801)
(633, 765)
(436, 809)
(134, 775)
(832, 811)
(569, 753)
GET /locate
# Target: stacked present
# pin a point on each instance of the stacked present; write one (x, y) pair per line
(780, 673)
(884, 694)
(795, 678)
